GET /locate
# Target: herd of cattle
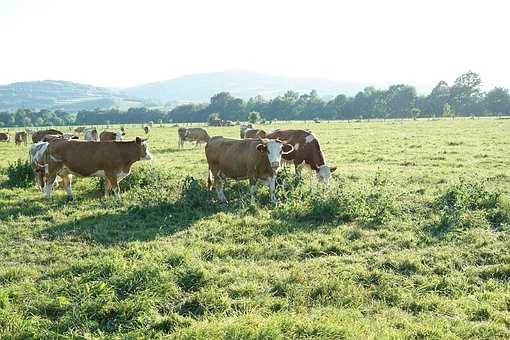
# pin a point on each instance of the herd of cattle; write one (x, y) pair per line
(257, 156)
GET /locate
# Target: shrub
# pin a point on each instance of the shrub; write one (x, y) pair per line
(19, 174)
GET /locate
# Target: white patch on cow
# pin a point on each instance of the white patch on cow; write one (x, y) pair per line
(324, 173)
(310, 138)
(118, 136)
(296, 147)
(274, 153)
(98, 173)
(68, 136)
(148, 155)
(37, 151)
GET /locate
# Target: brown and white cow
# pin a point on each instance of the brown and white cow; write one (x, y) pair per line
(254, 133)
(4, 137)
(20, 138)
(39, 135)
(243, 128)
(110, 135)
(101, 159)
(307, 151)
(197, 135)
(79, 129)
(90, 134)
(65, 136)
(253, 159)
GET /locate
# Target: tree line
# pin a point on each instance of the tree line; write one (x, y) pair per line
(463, 98)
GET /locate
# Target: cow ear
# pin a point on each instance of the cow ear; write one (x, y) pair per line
(138, 140)
(287, 148)
(262, 147)
(332, 169)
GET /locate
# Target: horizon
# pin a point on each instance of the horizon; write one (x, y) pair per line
(356, 42)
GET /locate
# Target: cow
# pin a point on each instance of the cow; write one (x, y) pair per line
(100, 159)
(253, 159)
(243, 128)
(307, 151)
(109, 135)
(79, 129)
(123, 130)
(20, 137)
(4, 137)
(65, 136)
(197, 135)
(254, 133)
(38, 158)
(146, 129)
(39, 135)
(90, 134)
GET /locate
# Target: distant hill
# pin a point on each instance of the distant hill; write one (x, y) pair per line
(58, 94)
(201, 87)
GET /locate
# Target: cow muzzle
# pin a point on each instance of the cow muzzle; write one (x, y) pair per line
(275, 165)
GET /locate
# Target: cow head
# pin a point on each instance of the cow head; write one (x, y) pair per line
(145, 154)
(324, 173)
(274, 150)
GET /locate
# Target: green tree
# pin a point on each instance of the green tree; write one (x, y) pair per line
(447, 111)
(415, 113)
(254, 117)
(497, 101)
(213, 116)
(466, 94)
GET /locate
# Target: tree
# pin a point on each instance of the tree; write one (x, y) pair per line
(415, 113)
(213, 116)
(466, 94)
(254, 117)
(439, 96)
(447, 111)
(497, 101)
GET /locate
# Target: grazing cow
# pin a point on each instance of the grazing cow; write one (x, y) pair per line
(39, 135)
(65, 136)
(109, 135)
(197, 135)
(20, 137)
(79, 129)
(123, 130)
(4, 137)
(307, 150)
(146, 129)
(254, 133)
(253, 159)
(104, 159)
(90, 134)
(243, 129)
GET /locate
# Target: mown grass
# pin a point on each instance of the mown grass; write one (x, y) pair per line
(410, 240)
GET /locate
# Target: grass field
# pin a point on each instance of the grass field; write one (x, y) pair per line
(410, 240)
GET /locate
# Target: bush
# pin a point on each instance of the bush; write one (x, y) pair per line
(19, 174)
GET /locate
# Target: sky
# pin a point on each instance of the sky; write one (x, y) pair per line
(126, 43)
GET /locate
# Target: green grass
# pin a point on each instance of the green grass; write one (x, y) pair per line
(410, 240)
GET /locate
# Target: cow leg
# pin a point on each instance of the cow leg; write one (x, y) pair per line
(66, 181)
(271, 183)
(114, 185)
(49, 184)
(218, 184)
(107, 187)
(253, 189)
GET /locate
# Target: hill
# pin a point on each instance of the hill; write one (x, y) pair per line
(59, 94)
(202, 86)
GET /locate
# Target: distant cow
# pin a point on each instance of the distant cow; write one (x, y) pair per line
(307, 150)
(4, 137)
(146, 129)
(39, 135)
(254, 133)
(243, 128)
(251, 159)
(20, 138)
(90, 134)
(123, 130)
(65, 136)
(103, 159)
(197, 135)
(109, 135)
(79, 129)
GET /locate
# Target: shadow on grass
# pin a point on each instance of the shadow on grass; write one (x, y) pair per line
(145, 220)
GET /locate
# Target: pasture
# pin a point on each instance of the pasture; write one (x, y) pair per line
(411, 239)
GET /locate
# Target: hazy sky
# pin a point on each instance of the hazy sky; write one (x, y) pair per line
(125, 43)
